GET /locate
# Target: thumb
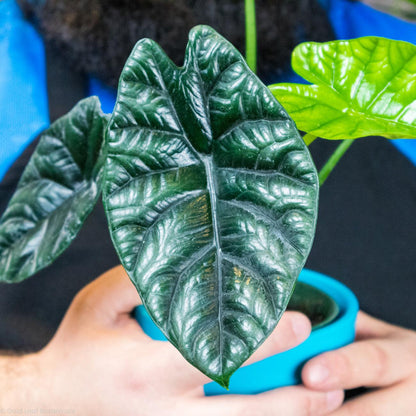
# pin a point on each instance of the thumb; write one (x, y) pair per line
(109, 296)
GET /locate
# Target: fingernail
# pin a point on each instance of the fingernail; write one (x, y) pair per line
(301, 327)
(334, 399)
(318, 374)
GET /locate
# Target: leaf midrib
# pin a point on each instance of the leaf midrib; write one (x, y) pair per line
(212, 191)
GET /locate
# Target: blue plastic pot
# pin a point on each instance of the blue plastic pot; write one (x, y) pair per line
(284, 369)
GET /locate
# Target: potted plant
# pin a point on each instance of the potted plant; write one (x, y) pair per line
(209, 189)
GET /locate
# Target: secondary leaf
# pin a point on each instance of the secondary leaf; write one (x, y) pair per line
(55, 194)
(211, 197)
(361, 87)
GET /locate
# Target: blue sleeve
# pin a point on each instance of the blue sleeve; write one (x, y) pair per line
(353, 19)
(107, 95)
(23, 93)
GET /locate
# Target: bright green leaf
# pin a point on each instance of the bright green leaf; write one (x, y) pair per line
(211, 197)
(361, 87)
(55, 194)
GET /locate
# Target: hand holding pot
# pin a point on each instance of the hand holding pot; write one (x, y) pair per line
(101, 363)
(383, 357)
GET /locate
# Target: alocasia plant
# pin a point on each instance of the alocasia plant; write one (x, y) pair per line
(210, 191)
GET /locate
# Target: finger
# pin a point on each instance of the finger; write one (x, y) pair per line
(371, 363)
(109, 296)
(293, 328)
(397, 400)
(369, 327)
(288, 401)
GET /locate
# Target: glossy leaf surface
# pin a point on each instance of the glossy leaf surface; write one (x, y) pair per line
(56, 192)
(361, 87)
(211, 197)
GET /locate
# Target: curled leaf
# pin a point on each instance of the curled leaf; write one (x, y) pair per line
(58, 189)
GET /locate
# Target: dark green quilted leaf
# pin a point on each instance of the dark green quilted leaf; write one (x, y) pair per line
(56, 192)
(211, 197)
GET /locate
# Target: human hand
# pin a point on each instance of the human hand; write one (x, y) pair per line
(101, 363)
(383, 357)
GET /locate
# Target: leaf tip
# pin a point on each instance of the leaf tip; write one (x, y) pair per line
(223, 380)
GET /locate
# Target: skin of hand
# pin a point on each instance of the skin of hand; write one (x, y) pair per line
(383, 357)
(100, 362)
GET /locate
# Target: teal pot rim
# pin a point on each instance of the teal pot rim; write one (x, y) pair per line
(284, 369)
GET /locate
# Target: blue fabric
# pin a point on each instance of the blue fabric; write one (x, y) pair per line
(354, 19)
(106, 94)
(23, 94)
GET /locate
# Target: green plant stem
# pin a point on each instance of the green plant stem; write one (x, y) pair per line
(251, 34)
(309, 138)
(333, 160)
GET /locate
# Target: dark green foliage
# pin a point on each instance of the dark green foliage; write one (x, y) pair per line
(57, 191)
(210, 193)
(211, 197)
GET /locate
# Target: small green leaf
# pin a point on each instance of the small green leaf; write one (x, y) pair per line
(211, 197)
(361, 87)
(55, 194)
